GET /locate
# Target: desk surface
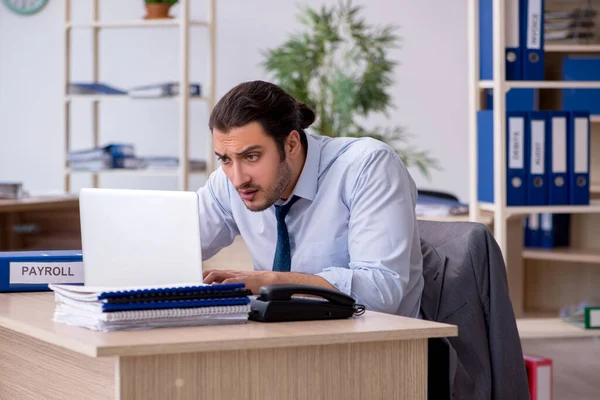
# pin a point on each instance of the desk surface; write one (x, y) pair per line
(38, 203)
(31, 314)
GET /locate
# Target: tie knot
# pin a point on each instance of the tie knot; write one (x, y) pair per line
(282, 211)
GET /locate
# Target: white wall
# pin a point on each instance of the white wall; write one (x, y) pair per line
(430, 90)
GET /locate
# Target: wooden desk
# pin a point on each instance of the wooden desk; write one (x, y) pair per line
(373, 356)
(40, 223)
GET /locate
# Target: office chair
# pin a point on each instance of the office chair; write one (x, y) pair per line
(466, 285)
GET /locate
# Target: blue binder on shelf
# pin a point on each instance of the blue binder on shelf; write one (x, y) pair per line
(579, 158)
(33, 271)
(516, 160)
(558, 183)
(555, 229)
(581, 68)
(532, 32)
(532, 230)
(513, 39)
(537, 177)
(517, 163)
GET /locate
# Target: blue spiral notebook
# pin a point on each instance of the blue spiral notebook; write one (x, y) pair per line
(154, 297)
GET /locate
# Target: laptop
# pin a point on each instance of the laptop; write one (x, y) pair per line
(140, 237)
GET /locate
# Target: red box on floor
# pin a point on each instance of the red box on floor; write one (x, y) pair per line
(539, 373)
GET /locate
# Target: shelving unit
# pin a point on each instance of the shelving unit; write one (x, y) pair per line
(183, 23)
(540, 281)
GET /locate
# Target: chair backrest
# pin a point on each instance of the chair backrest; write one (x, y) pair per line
(466, 285)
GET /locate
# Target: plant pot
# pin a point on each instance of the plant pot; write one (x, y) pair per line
(157, 10)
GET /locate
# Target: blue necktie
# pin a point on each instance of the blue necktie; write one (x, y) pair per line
(283, 257)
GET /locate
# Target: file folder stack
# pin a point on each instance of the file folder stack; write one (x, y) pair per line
(524, 41)
(547, 157)
(547, 230)
(145, 307)
(568, 23)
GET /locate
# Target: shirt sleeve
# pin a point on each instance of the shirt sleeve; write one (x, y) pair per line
(217, 225)
(381, 234)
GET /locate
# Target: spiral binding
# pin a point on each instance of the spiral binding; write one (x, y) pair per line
(174, 313)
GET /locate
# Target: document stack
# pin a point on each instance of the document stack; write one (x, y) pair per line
(146, 307)
(566, 22)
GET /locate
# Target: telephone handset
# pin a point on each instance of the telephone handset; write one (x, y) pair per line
(277, 303)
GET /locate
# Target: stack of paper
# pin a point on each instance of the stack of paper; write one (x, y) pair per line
(145, 307)
(565, 21)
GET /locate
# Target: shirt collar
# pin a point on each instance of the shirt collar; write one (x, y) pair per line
(306, 187)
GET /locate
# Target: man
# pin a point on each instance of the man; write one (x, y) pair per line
(331, 212)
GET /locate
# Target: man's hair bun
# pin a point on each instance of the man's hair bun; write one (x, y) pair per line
(307, 115)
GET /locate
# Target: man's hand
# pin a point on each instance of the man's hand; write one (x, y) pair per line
(252, 279)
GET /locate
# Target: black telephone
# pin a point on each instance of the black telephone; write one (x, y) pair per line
(276, 303)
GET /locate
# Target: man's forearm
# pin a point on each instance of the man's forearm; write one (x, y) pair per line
(302, 279)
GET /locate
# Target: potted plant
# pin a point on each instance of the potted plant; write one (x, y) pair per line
(339, 66)
(156, 9)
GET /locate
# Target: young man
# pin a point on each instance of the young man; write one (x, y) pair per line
(331, 212)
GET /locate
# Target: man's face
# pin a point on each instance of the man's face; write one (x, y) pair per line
(251, 160)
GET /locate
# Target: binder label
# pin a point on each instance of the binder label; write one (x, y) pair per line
(538, 141)
(512, 25)
(534, 221)
(515, 142)
(581, 145)
(534, 24)
(559, 145)
(46, 272)
(546, 222)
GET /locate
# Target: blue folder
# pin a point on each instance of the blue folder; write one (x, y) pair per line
(555, 230)
(516, 161)
(579, 158)
(532, 31)
(513, 51)
(581, 68)
(32, 271)
(532, 230)
(537, 176)
(558, 184)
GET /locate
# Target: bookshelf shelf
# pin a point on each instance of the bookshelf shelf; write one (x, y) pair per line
(540, 328)
(572, 48)
(563, 255)
(532, 273)
(593, 208)
(543, 84)
(124, 97)
(133, 172)
(156, 23)
(183, 23)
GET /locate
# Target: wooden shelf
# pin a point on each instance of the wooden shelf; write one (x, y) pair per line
(141, 23)
(572, 48)
(593, 208)
(544, 84)
(135, 172)
(124, 97)
(594, 119)
(563, 254)
(544, 328)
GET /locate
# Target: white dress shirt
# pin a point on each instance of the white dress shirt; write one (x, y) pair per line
(354, 224)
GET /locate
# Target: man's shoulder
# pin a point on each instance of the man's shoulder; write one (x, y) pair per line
(351, 151)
